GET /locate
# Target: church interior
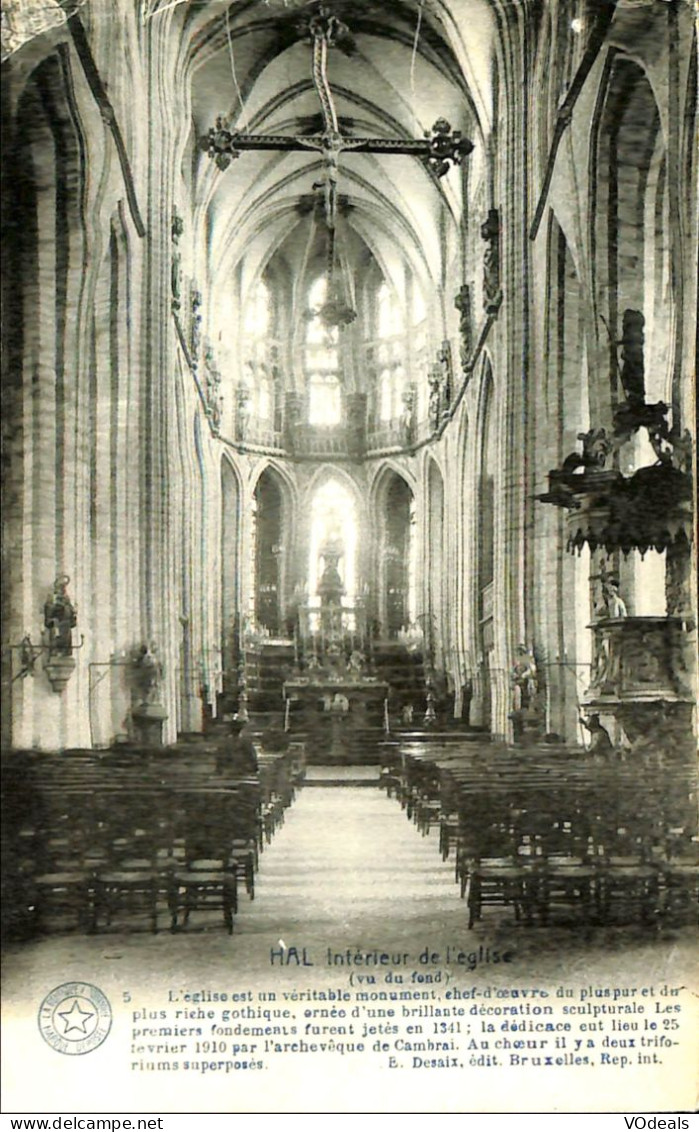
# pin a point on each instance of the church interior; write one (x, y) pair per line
(348, 441)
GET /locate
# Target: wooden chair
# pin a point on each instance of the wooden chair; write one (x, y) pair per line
(203, 876)
(128, 880)
(245, 830)
(54, 865)
(203, 884)
(59, 882)
(679, 872)
(628, 887)
(493, 875)
(566, 873)
(131, 854)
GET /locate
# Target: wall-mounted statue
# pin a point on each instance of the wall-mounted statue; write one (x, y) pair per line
(435, 400)
(195, 302)
(176, 230)
(60, 617)
(462, 302)
(242, 415)
(447, 373)
(407, 417)
(490, 231)
(212, 387)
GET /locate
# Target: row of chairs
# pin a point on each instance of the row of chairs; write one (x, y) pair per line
(546, 836)
(88, 859)
(593, 872)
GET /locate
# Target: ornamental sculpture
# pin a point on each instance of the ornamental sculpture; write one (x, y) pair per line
(652, 507)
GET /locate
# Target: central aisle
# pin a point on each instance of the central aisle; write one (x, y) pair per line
(348, 860)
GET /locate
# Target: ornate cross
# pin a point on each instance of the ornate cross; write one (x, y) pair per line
(440, 148)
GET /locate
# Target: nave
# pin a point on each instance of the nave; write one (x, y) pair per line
(346, 870)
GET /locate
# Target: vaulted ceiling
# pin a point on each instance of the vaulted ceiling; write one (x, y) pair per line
(409, 62)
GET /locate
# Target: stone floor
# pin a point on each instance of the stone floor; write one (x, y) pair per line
(346, 871)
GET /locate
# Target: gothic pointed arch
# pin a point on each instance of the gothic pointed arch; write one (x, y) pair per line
(395, 552)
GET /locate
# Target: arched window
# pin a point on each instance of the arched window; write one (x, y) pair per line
(257, 327)
(397, 558)
(322, 362)
(333, 522)
(267, 553)
(257, 314)
(391, 352)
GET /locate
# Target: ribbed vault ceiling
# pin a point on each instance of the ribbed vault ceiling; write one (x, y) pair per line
(409, 63)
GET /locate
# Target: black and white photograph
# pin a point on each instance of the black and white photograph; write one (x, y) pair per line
(349, 587)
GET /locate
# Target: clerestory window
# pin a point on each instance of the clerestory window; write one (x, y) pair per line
(322, 362)
(390, 353)
(257, 327)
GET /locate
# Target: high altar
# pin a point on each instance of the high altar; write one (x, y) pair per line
(332, 695)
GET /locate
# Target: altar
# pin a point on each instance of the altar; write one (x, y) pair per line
(338, 715)
(333, 695)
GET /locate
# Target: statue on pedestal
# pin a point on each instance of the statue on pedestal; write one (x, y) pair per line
(330, 587)
(523, 680)
(148, 711)
(60, 616)
(148, 674)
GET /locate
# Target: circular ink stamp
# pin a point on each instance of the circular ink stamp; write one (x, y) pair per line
(75, 1018)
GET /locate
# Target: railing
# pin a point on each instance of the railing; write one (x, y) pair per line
(391, 434)
(340, 441)
(321, 440)
(261, 432)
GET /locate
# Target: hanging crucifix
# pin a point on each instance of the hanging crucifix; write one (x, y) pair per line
(440, 148)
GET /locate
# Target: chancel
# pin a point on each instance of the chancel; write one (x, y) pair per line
(348, 468)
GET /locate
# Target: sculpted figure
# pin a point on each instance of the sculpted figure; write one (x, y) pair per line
(600, 743)
(490, 231)
(149, 674)
(523, 680)
(60, 616)
(435, 402)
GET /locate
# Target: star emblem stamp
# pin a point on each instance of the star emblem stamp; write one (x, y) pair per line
(75, 1018)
